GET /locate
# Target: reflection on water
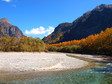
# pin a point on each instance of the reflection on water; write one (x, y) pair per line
(97, 75)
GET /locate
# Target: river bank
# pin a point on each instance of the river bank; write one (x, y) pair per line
(25, 61)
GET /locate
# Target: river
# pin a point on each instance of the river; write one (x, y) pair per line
(101, 73)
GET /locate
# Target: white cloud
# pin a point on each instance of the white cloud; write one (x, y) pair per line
(40, 30)
(7, 0)
(49, 30)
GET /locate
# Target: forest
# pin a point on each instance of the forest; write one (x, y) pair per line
(24, 44)
(94, 44)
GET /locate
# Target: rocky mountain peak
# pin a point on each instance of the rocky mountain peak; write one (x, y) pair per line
(91, 22)
(5, 20)
(102, 7)
(7, 29)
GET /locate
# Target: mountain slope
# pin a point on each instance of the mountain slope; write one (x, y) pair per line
(92, 22)
(7, 29)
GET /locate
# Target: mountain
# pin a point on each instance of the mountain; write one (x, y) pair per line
(92, 22)
(7, 29)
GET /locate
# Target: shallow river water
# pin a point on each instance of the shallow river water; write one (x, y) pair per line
(101, 73)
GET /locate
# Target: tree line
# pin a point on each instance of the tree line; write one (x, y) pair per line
(24, 44)
(94, 44)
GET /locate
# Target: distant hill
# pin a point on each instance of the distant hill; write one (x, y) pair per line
(7, 29)
(92, 22)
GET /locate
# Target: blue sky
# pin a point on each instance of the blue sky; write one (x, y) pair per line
(38, 18)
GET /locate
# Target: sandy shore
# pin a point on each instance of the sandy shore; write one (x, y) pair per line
(19, 61)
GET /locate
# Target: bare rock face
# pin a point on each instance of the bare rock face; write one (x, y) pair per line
(7, 29)
(92, 22)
